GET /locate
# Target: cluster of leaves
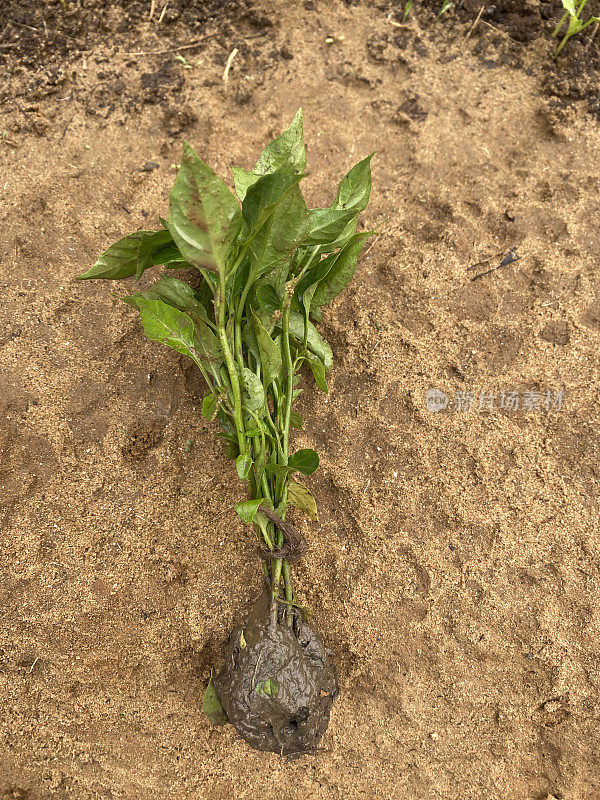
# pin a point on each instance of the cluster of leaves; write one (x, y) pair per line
(265, 267)
(575, 24)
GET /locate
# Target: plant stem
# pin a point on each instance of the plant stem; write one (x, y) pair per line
(238, 321)
(289, 374)
(281, 565)
(231, 369)
(560, 24)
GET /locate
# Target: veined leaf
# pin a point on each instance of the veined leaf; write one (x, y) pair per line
(204, 216)
(246, 510)
(341, 271)
(168, 254)
(243, 465)
(267, 297)
(254, 391)
(355, 188)
(243, 180)
(316, 343)
(209, 406)
(315, 273)
(211, 705)
(318, 370)
(129, 256)
(305, 461)
(286, 150)
(181, 295)
(249, 339)
(301, 498)
(327, 224)
(270, 354)
(296, 420)
(263, 197)
(277, 218)
(167, 324)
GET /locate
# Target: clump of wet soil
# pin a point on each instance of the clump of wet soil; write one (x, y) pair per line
(277, 685)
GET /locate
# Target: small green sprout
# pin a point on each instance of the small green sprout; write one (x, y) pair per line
(573, 15)
(446, 6)
(407, 9)
(182, 60)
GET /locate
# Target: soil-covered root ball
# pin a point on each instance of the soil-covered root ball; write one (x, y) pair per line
(277, 685)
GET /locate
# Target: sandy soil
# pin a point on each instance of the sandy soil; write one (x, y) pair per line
(455, 570)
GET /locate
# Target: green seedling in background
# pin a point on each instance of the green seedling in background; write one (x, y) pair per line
(572, 14)
(446, 6)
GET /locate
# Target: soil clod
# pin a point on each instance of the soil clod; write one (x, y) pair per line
(278, 685)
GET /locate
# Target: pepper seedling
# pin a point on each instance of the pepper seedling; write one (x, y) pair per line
(264, 266)
(575, 24)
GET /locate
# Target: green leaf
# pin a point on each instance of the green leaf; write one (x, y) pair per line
(167, 324)
(267, 688)
(209, 406)
(211, 705)
(305, 461)
(316, 343)
(265, 195)
(254, 391)
(341, 271)
(164, 323)
(318, 370)
(243, 465)
(300, 497)
(181, 295)
(286, 150)
(168, 255)
(327, 224)
(315, 273)
(267, 297)
(129, 256)
(277, 218)
(355, 188)
(243, 180)
(204, 216)
(296, 420)
(246, 510)
(270, 354)
(569, 5)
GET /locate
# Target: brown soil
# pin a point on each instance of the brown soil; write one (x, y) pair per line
(454, 572)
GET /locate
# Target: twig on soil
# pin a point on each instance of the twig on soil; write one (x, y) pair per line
(152, 9)
(194, 43)
(232, 55)
(396, 24)
(508, 36)
(162, 13)
(509, 258)
(477, 18)
(593, 36)
(22, 25)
